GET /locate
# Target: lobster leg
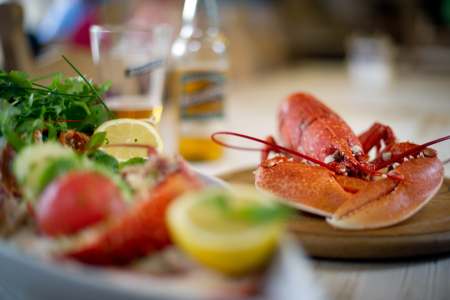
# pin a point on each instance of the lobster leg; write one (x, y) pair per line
(267, 149)
(373, 136)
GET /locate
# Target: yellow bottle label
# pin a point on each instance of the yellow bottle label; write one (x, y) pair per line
(202, 95)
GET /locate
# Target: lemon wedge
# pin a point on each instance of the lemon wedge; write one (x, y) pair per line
(130, 132)
(232, 231)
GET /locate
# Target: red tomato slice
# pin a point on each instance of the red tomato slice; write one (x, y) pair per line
(77, 200)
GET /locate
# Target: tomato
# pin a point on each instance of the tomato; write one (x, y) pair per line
(77, 200)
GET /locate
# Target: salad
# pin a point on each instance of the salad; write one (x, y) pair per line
(74, 188)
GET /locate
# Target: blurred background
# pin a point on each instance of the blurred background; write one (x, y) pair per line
(263, 34)
(373, 60)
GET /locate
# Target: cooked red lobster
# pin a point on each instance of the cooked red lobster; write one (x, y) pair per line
(324, 168)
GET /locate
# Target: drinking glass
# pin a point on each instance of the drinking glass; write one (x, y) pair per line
(370, 59)
(133, 60)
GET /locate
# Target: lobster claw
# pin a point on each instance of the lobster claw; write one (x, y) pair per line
(390, 201)
(351, 203)
(306, 187)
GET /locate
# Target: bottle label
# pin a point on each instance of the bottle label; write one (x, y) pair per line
(202, 95)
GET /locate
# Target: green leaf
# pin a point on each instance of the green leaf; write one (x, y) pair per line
(82, 105)
(55, 169)
(20, 78)
(87, 83)
(101, 158)
(31, 100)
(51, 132)
(104, 87)
(262, 214)
(67, 103)
(13, 139)
(47, 76)
(131, 162)
(247, 210)
(107, 165)
(96, 141)
(219, 200)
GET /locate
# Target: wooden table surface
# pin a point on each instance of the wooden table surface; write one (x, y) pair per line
(417, 106)
(412, 279)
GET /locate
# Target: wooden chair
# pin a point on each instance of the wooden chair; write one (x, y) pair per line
(17, 52)
(15, 47)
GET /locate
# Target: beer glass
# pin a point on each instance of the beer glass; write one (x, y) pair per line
(133, 60)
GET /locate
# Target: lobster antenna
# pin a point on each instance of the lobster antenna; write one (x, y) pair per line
(272, 146)
(412, 151)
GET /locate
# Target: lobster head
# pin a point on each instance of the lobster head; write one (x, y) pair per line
(310, 127)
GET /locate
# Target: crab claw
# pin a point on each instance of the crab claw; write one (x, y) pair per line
(309, 188)
(390, 201)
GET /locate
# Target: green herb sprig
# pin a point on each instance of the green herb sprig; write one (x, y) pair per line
(28, 107)
(251, 212)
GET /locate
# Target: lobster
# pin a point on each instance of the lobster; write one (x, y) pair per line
(142, 229)
(324, 168)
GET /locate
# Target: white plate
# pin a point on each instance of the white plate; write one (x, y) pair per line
(24, 277)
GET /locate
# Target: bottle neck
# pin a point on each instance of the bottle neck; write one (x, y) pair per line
(200, 15)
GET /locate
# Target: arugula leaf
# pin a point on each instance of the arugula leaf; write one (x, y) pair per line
(27, 107)
(93, 89)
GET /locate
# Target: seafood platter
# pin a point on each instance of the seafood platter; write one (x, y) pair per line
(91, 207)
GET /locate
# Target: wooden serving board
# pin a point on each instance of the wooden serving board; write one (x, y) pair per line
(426, 233)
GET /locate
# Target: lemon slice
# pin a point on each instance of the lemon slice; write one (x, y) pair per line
(233, 232)
(130, 132)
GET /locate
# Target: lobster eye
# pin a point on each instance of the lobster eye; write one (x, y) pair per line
(336, 156)
(339, 156)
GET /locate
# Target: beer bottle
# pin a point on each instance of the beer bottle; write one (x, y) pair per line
(199, 74)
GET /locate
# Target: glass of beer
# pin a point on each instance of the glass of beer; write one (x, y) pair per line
(133, 60)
